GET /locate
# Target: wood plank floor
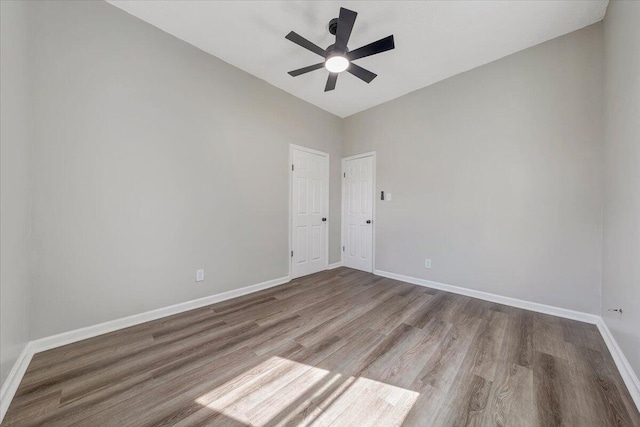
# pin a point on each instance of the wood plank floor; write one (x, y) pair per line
(341, 347)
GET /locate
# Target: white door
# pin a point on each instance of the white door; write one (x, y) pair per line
(309, 202)
(357, 213)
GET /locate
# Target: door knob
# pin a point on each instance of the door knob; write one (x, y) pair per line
(368, 221)
(324, 219)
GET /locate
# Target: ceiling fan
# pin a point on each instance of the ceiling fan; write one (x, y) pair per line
(337, 58)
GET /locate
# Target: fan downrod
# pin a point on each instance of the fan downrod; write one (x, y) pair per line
(333, 26)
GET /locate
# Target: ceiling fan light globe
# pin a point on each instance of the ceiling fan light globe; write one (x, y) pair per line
(336, 64)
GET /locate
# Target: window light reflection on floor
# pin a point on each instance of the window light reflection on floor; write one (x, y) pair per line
(280, 391)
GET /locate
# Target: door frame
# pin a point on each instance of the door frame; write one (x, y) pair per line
(328, 178)
(374, 192)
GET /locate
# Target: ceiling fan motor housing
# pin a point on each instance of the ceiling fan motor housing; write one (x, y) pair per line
(331, 50)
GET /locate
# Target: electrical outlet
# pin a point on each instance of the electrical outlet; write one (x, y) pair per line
(427, 263)
(200, 275)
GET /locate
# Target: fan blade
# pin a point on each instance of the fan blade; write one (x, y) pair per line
(345, 24)
(331, 82)
(301, 41)
(361, 73)
(379, 46)
(299, 71)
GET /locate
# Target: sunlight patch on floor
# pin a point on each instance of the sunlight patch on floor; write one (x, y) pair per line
(280, 391)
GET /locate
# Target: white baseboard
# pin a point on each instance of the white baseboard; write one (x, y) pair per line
(65, 338)
(514, 302)
(334, 265)
(626, 371)
(10, 385)
(12, 382)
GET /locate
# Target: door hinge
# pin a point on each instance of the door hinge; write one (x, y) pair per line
(292, 167)
(345, 174)
(291, 254)
(343, 249)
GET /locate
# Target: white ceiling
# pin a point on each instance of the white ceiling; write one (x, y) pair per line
(434, 39)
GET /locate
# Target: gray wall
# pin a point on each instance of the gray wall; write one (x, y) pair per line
(621, 265)
(153, 159)
(496, 175)
(15, 142)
